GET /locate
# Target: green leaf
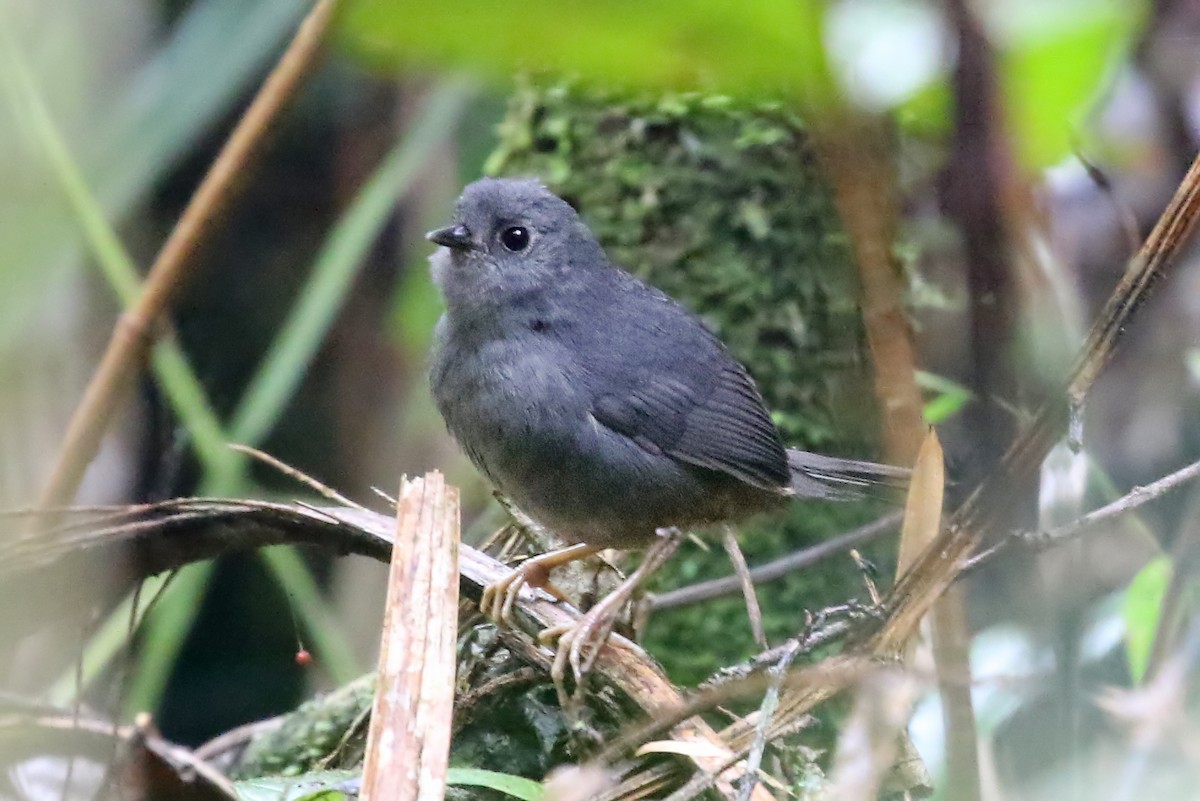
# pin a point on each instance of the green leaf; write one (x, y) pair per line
(1142, 610)
(516, 786)
(951, 396)
(756, 45)
(322, 785)
(1055, 60)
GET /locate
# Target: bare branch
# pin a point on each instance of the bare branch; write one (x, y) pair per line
(778, 568)
(1135, 498)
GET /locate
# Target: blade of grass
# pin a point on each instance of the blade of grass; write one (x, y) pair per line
(212, 54)
(104, 645)
(215, 52)
(224, 469)
(331, 645)
(134, 333)
(168, 626)
(289, 356)
(190, 403)
(507, 783)
(338, 264)
(166, 629)
(179, 382)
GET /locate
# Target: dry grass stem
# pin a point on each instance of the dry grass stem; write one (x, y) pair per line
(408, 744)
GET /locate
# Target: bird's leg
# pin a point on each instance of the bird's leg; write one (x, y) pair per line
(580, 642)
(499, 596)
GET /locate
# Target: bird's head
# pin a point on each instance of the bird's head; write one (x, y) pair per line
(510, 237)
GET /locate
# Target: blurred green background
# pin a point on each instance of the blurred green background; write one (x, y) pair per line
(305, 328)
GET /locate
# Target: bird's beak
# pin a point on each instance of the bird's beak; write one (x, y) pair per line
(455, 237)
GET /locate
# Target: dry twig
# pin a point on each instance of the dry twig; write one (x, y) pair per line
(742, 572)
(1131, 501)
(149, 767)
(777, 568)
(408, 744)
(177, 532)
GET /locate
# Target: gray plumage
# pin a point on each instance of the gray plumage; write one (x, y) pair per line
(601, 406)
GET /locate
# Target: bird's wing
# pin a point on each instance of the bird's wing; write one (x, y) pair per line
(707, 413)
(657, 376)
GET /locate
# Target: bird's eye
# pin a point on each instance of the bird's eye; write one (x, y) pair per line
(515, 238)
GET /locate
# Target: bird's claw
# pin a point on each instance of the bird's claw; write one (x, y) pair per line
(578, 644)
(498, 597)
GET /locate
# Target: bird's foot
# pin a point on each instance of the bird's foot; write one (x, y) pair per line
(499, 597)
(577, 644)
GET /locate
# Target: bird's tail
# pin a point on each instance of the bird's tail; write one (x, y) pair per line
(835, 479)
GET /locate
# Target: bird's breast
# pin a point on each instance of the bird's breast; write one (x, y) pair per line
(511, 403)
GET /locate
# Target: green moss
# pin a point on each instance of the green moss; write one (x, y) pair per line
(310, 734)
(722, 204)
(513, 727)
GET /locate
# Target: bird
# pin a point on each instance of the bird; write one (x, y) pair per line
(599, 405)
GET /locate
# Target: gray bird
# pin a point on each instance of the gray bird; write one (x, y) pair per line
(602, 407)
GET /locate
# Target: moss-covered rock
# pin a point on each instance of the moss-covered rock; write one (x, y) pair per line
(314, 736)
(506, 719)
